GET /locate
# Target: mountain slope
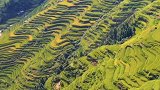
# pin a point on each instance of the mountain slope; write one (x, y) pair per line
(84, 45)
(13, 11)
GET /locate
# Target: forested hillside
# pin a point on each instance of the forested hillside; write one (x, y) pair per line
(12, 11)
(83, 45)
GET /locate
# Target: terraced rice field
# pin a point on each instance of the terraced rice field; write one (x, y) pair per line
(84, 45)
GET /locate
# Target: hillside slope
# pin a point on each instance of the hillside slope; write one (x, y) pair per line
(13, 11)
(84, 45)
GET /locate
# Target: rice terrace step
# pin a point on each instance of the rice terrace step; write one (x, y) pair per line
(79, 45)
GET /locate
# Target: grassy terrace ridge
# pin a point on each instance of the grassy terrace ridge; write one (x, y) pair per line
(2, 2)
(84, 45)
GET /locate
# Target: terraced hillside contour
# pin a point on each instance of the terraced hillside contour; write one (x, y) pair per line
(84, 45)
(13, 11)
